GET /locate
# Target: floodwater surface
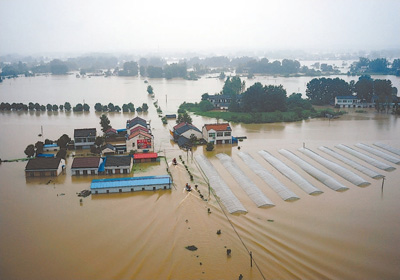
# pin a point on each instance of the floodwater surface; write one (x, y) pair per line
(47, 233)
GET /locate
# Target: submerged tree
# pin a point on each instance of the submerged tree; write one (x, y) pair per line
(105, 123)
(30, 150)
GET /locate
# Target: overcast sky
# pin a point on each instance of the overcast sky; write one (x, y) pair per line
(42, 26)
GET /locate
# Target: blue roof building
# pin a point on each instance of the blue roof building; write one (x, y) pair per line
(131, 184)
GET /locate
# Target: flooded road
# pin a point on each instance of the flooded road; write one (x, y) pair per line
(46, 233)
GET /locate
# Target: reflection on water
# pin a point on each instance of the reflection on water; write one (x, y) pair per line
(143, 235)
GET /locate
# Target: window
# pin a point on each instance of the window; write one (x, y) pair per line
(96, 192)
(84, 172)
(131, 189)
(142, 189)
(165, 187)
(31, 174)
(42, 174)
(120, 190)
(211, 135)
(228, 133)
(227, 141)
(154, 188)
(92, 172)
(108, 191)
(220, 134)
(125, 171)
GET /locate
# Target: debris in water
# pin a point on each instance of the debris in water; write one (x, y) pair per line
(228, 252)
(219, 232)
(269, 220)
(84, 193)
(191, 248)
(209, 211)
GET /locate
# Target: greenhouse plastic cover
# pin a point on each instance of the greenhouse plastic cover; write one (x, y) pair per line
(371, 173)
(336, 168)
(290, 173)
(388, 148)
(268, 178)
(316, 173)
(378, 153)
(365, 158)
(255, 194)
(230, 201)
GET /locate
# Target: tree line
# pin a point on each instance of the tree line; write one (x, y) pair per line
(375, 66)
(322, 91)
(5, 106)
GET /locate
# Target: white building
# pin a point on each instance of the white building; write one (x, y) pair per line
(219, 133)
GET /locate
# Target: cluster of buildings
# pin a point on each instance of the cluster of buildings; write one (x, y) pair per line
(136, 137)
(185, 134)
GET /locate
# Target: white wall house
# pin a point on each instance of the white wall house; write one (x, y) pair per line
(140, 141)
(220, 133)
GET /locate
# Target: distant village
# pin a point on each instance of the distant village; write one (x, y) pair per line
(133, 144)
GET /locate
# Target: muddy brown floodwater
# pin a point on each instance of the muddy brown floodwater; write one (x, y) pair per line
(46, 233)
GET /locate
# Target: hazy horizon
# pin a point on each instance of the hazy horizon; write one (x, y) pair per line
(38, 27)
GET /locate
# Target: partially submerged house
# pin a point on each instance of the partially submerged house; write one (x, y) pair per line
(183, 132)
(84, 138)
(118, 165)
(108, 149)
(44, 167)
(222, 101)
(145, 157)
(219, 133)
(86, 165)
(132, 184)
(140, 141)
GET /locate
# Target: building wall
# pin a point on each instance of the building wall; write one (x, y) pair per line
(217, 139)
(133, 140)
(81, 171)
(188, 133)
(132, 189)
(47, 173)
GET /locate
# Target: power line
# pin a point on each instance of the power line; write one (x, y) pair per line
(230, 222)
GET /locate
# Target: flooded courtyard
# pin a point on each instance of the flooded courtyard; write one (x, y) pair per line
(47, 233)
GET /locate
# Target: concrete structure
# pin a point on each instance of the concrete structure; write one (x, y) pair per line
(86, 165)
(84, 138)
(220, 133)
(44, 167)
(118, 165)
(132, 184)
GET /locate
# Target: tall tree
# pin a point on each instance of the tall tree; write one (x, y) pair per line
(105, 123)
(184, 117)
(365, 88)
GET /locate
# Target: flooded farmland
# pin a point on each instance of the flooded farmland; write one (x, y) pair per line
(47, 233)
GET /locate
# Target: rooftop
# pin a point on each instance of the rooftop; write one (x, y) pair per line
(218, 127)
(86, 162)
(183, 128)
(145, 155)
(136, 133)
(130, 182)
(118, 161)
(84, 132)
(43, 163)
